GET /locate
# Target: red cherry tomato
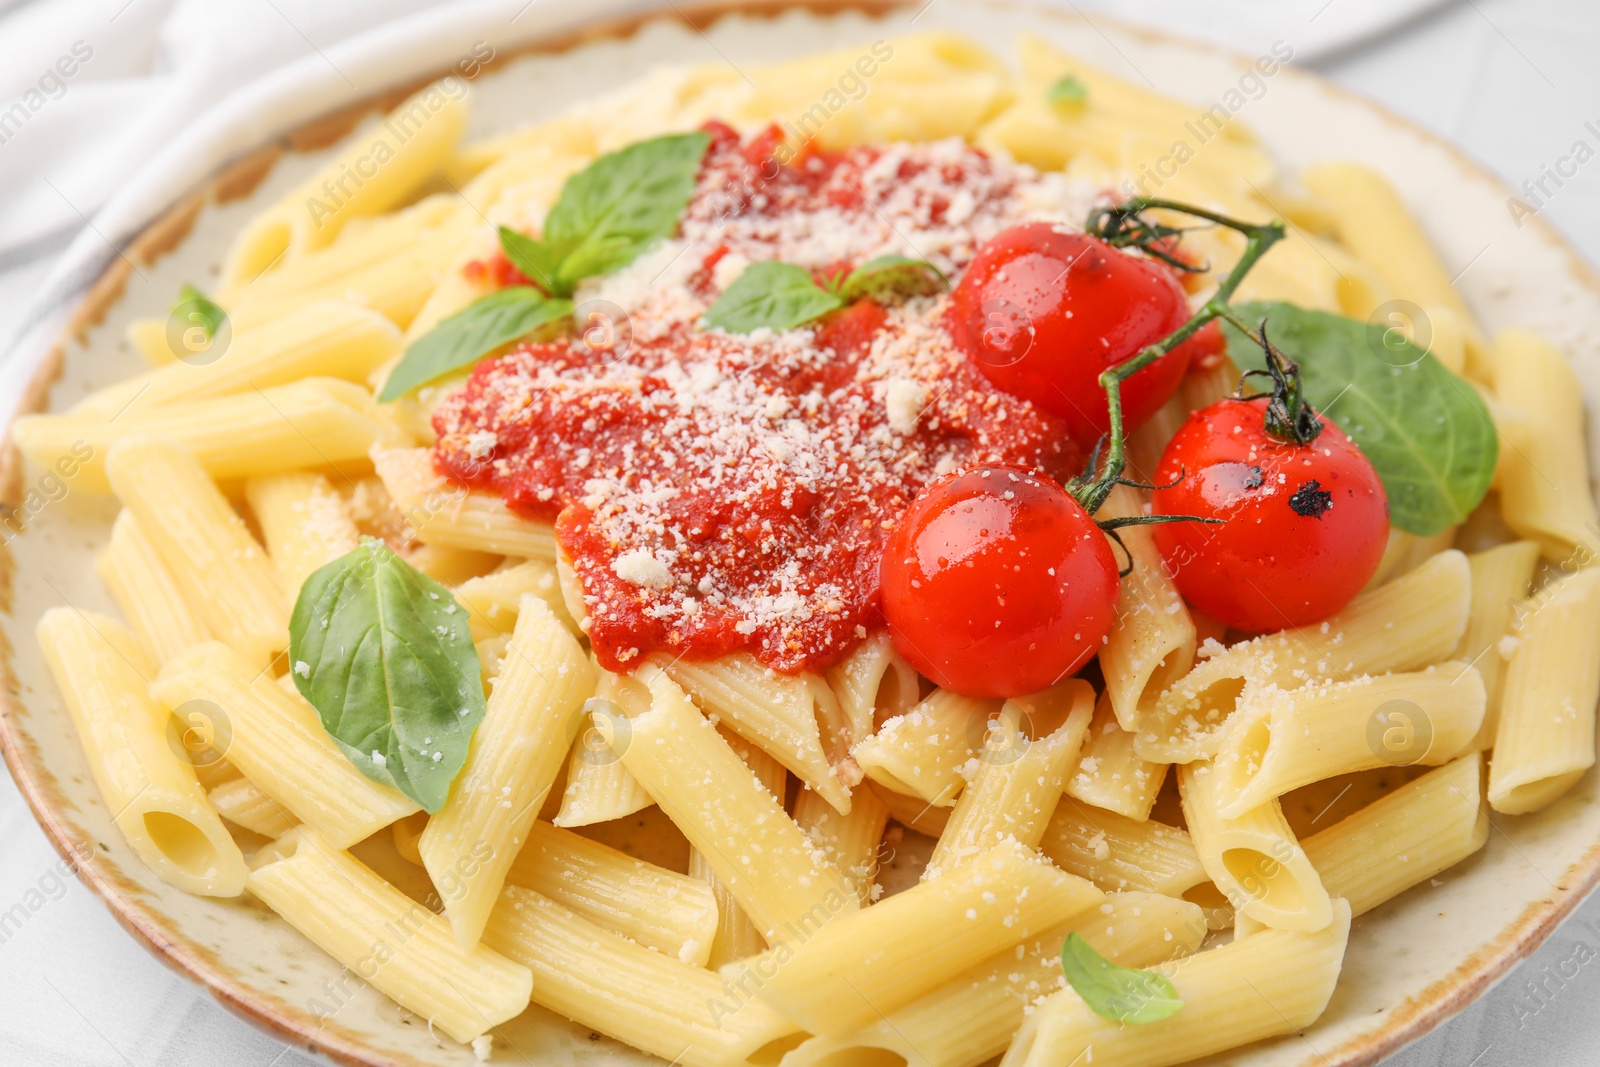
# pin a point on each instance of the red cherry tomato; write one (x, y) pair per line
(1304, 525)
(1043, 310)
(997, 583)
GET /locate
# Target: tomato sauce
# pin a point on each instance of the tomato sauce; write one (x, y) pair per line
(721, 493)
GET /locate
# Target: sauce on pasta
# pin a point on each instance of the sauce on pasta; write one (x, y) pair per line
(720, 493)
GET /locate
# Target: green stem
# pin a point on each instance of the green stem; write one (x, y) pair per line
(1258, 239)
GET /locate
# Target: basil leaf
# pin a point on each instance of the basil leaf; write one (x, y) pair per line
(617, 206)
(384, 654)
(194, 306)
(1426, 432)
(471, 333)
(528, 256)
(778, 295)
(1067, 90)
(1114, 992)
(893, 274)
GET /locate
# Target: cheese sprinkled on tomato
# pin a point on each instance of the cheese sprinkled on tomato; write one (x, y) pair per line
(718, 492)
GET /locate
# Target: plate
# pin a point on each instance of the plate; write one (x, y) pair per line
(1412, 963)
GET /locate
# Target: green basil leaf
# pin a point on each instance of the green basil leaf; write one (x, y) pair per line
(384, 654)
(778, 295)
(528, 256)
(1426, 432)
(1067, 90)
(619, 205)
(472, 333)
(194, 306)
(893, 274)
(1114, 992)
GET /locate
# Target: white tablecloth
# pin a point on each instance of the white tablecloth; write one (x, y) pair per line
(1513, 81)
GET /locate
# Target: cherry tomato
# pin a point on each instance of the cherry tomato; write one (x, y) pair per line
(1304, 525)
(997, 583)
(1042, 310)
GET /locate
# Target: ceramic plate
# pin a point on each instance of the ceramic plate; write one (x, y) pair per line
(1411, 964)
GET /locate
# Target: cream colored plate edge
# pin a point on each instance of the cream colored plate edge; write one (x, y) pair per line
(1411, 963)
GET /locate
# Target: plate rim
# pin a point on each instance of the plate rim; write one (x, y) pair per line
(1421, 1012)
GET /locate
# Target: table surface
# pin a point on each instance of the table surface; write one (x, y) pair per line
(1512, 81)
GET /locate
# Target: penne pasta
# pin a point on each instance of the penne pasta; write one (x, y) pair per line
(304, 523)
(330, 339)
(728, 815)
(1109, 773)
(599, 787)
(660, 909)
(851, 842)
(492, 599)
(1413, 621)
(777, 712)
(390, 940)
(913, 942)
(533, 714)
(1273, 982)
(1501, 577)
(278, 743)
(453, 516)
(315, 422)
(1404, 838)
(648, 999)
(1152, 641)
(226, 578)
(1280, 740)
(375, 174)
(244, 805)
(1543, 476)
(923, 752)
(133, 751)
(1545, 739)
(1118, 854)
(148, 592)
(971, 1018)
(1020, 774)
(1253, 858)
(873, 682)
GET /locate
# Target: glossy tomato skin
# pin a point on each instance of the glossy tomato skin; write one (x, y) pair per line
(1043, 310)
(996, 583)
(1304, 525)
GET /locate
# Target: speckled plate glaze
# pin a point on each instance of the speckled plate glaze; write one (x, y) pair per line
(1411, 964)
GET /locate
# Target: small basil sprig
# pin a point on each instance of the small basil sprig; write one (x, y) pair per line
(1425, 431)
(1067, 89)
(1113, 992)
(384, 654)
(781, 296)
(606, 215)
(194, 306)
(476, 330)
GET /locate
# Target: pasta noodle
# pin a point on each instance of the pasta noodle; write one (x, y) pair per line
(278, 743)
(391, 941)
(1109, 773)
(226, 578)
(971, 1018)
(728, 815)
(916, 940)
(512, 762)
(1413, 621)
(151, 793)
(1020, 773)
(1280, 740)
(1151, 644)
(1270, 983)
(1545, 739)
(148, 592)
(1253, 858)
